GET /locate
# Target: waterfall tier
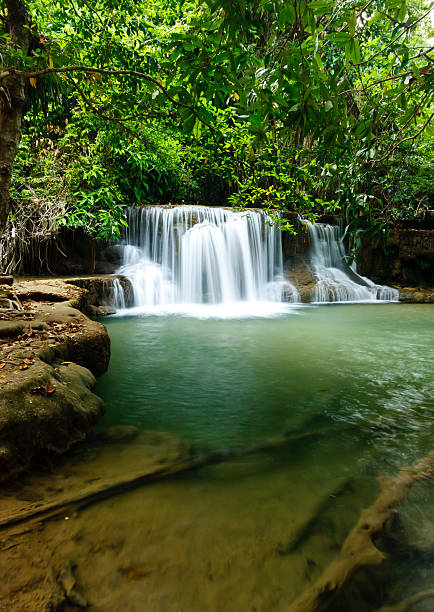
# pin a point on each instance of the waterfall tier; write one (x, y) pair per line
(187, 257)
(335, 280)
(192, 255)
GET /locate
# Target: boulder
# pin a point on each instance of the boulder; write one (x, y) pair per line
(302, 277)
(49, 361)
(47, 407)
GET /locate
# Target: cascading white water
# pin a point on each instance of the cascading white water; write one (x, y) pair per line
(190, 255)
(118, 294)
(190, 258)
(336, 282)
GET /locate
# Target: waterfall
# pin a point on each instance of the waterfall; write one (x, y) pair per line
(217, 262)
(335, 281)
(118, 294)
(194, 255)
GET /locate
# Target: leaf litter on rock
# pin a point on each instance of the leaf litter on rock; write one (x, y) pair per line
(47, 389)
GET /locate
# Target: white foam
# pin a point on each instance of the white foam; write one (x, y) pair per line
(227, 310)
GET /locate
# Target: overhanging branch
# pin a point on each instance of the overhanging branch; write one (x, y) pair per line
(108, 72)
(409, 138)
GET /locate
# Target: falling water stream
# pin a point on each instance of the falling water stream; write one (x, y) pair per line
(336, 282)
(213, 261)
(196, 258)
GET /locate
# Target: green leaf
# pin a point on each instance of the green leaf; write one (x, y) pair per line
(355, 51)
(318, 60)
(255, 119)
(320, 7)
(352, 23)
(375, 17)
(339, 37)
(286, 15)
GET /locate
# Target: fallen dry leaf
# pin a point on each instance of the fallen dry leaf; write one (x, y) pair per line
(47, 390)
(2, 365)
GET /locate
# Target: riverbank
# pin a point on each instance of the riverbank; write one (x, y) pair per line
(50, 355)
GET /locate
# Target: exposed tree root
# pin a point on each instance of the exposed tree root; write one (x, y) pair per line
(104, 490)
(358, 549)
(407, 604)
(66, 579)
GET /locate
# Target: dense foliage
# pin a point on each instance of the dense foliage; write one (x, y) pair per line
(309, 106)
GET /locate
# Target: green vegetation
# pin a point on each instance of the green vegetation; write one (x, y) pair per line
(309, 106)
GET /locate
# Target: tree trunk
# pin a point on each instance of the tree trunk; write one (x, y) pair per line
(14, 100)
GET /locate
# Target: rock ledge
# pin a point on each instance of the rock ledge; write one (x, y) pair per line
(50, 353)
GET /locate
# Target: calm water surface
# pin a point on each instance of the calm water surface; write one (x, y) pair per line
(225, 382)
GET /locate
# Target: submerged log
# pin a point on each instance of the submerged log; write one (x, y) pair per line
(358, 549)
(305, 529)
(106, 489)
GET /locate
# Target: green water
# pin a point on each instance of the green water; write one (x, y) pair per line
(362, 373)
(225, 382)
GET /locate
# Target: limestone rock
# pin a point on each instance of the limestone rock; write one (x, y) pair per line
(416, 295)
(304, 280)
(50, 355)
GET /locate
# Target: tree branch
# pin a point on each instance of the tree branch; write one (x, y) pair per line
(92, 10)
(109, 72)
(97, 111)
(423, 54)
(406, 29)
(376, 161)
(80, 17)
(368, 85)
